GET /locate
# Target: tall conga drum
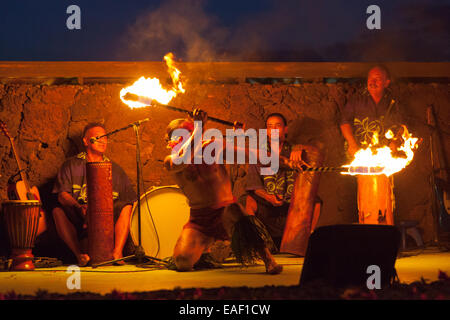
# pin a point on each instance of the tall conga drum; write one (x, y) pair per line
(22, 222)
(300, 217)
(100, 211)
(375, 200)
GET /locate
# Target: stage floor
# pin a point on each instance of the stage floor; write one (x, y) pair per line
(130, 278)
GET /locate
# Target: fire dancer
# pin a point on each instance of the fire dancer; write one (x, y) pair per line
(372, 112)
(214, 214)
(269, 196)
(70, 186)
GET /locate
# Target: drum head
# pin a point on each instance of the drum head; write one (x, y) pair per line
(164, 212)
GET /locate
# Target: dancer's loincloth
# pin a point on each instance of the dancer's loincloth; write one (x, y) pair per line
(249, 236)
(208, 221)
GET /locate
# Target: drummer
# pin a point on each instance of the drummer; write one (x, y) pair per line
(370, 112)
(70, 185)
(214, 213)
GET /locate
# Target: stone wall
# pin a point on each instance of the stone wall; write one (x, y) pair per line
(46, 123)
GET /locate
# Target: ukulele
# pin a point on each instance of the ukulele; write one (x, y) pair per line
(19, 190)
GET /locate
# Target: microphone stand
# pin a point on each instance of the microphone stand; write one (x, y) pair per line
(139, 252)
(134, 124)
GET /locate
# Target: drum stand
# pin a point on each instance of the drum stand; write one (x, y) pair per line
(139, 252)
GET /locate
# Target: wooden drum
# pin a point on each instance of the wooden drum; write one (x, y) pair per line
(375, 200)
(100, 211)
(22, 222)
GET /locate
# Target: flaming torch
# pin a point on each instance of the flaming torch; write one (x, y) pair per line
(149, 92)
(388, 161)
(146, 91)
(375, 190)
(372, 161)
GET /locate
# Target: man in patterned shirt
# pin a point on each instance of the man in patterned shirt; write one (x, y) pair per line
(372, 112)
(269, 197)
(70, 186)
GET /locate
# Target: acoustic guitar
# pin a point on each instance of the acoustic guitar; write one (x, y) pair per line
(20, 189)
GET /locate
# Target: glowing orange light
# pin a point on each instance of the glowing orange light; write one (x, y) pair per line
(145, 90)
(383, 157)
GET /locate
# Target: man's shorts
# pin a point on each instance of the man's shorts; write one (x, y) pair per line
(208, 221)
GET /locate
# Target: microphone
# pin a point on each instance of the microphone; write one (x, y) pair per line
(136, 123)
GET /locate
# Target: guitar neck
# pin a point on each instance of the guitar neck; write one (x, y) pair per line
(23, 176)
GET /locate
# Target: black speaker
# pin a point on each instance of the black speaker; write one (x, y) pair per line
(340, 255)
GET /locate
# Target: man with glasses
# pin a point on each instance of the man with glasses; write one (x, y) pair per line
(70, 186)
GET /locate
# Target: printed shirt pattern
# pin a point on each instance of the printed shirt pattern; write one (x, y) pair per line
(72, 179)
(281, 184)
(369, 118)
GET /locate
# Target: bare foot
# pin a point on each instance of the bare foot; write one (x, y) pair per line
(83, 260)
(274, 268)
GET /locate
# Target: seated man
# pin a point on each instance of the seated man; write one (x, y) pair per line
(214, 213)
(269, 197)
(70, 186)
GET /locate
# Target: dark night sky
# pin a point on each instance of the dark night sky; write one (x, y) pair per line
(200, 30)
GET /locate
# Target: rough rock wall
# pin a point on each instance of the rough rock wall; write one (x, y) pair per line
(46, 123)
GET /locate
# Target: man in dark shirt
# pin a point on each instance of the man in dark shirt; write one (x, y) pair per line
(373, 112)
(269, 197)
(71, 189)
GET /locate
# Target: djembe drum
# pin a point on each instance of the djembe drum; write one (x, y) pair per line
(21, 221)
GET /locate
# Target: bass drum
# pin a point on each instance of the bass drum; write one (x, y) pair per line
(164, 212)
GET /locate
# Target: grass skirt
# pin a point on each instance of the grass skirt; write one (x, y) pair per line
(249, 240)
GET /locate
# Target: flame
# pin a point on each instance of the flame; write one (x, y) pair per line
(148, 89)
(384, 157)
(174, 72)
